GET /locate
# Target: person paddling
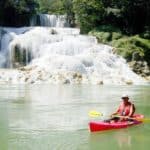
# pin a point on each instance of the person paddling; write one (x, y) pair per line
(125, 111)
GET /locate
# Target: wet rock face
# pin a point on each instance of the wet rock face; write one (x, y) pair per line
(140, 67)
(2, 32)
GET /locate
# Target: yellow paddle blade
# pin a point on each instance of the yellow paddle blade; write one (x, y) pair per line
(144, 119)
(94, 113)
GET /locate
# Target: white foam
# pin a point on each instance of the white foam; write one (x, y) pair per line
(62, 55)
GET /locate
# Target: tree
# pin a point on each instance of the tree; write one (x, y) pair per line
(126, 14)
(88, 13)
(132, 11)
(16, 12)
(68, 10)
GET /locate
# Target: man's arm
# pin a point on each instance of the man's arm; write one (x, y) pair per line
(132, 110)
(116, 112)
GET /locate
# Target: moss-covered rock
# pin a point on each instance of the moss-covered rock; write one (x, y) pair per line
(140, 67)
(20, 56)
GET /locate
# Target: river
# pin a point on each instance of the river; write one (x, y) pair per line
(55, 117)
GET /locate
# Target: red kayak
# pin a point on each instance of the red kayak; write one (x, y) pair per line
(101, 126)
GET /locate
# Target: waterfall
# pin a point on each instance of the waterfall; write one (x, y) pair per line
(5, 39)
(60, 55)
(49, 20)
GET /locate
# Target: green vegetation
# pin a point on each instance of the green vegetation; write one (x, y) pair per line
(16, 12)
(106, 34)
(59, 7)
(117, 23)
(89, 13)
(134, 45)
(127, 46)
(50, 6)
(123, 14)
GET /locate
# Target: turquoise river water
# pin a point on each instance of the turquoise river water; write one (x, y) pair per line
(55, 117)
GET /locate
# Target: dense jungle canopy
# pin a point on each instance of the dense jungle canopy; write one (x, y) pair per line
(131, 17)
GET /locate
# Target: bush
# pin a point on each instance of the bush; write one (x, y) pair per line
(128, 46)
(102, 37)
(116, 36)
(145, 35)
(88, 14)
(106, 34)
(133, 47)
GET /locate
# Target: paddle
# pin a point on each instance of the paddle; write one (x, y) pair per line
(94, 113)
(134, 119)
(145, 120)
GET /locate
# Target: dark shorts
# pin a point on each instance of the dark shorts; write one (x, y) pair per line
(117, 119)
(113, 118)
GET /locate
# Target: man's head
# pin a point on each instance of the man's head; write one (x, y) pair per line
(125, 98)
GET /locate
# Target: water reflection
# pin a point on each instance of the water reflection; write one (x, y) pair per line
(119, 139)
(133, 138)
(123, 138)
(3, 127)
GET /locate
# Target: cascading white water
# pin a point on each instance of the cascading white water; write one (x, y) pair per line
(61, 55)
(49, 20)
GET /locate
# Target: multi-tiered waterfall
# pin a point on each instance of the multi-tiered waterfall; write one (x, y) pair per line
(49, 20)
(59, 55)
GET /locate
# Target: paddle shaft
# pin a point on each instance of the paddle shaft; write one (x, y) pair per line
(133, 119)
(94, 113)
